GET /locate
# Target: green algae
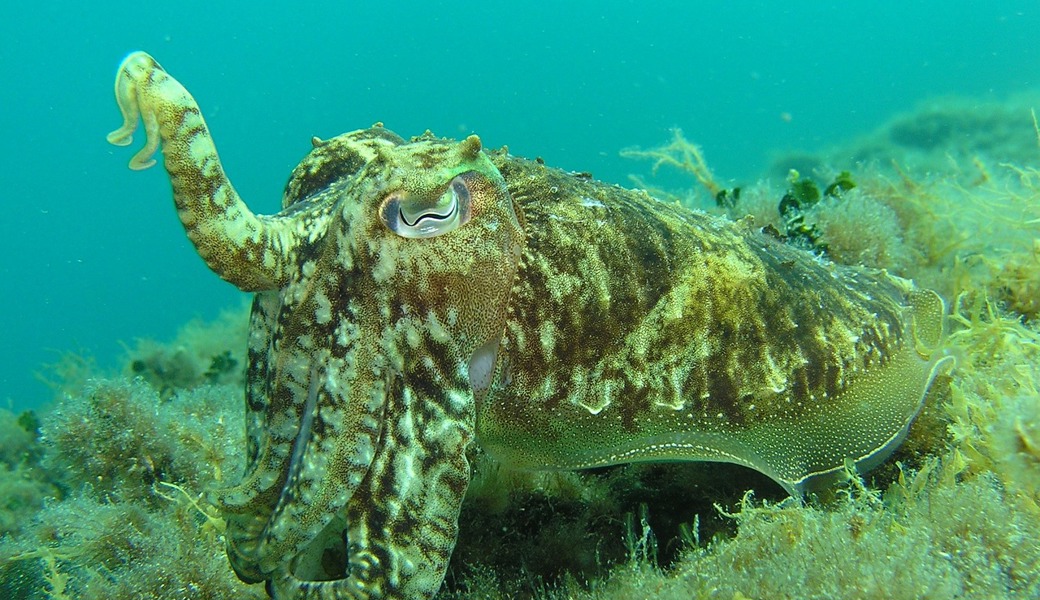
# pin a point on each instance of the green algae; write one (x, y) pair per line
(109, 485)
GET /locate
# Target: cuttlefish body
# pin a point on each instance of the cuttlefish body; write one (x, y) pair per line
(415, 297)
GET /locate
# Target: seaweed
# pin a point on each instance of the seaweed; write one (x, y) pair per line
(30, 422)
(201, 354)
(114, 478)
(682, 155)
(728, 199)
(802, 195)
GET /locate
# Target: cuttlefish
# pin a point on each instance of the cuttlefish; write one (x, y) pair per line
(419, 298)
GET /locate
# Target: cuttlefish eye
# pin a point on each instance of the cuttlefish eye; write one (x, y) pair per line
(420, 218)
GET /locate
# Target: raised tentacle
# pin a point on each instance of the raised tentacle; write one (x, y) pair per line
(250, 251)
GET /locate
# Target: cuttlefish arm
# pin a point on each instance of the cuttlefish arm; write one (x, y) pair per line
(402, 522)
(253, 252)
(312, 426)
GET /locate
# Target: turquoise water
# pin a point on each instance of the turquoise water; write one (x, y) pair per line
(93, 254)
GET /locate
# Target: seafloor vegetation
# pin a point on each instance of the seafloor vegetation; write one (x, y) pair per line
(103, 493)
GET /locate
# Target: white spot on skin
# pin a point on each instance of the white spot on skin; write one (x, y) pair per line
(323, 312)
(459, 400)
(385, 265)
(547, 337)
(437, 331)
(405, 471)
(363, 450)
(344, 258)
(411, 333)
(333, 418)
(346, 333)
(266, 480)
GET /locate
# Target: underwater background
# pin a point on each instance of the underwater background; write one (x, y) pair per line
(121, 390)
(95, 257)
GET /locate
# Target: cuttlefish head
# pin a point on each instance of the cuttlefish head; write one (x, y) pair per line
(426, 238)
(434, 229)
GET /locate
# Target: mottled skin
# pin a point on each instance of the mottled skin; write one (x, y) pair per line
(417, 296)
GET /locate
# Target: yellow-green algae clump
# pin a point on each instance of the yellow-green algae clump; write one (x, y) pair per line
(105, 494)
